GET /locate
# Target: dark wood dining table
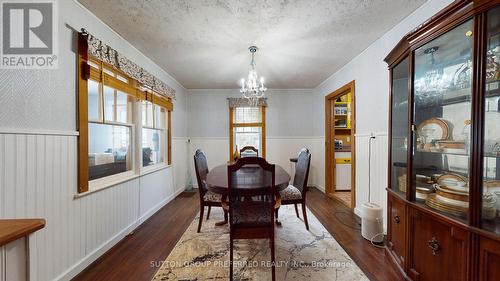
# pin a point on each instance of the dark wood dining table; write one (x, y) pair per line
(250, 176)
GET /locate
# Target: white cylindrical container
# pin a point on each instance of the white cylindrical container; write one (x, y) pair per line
(372, 226)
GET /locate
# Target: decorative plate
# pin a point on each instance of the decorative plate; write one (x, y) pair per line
(434, 203)
(455, 197)
(433, 129)
(492, 183)
(453, 182)
(492, 186)
(451, 144)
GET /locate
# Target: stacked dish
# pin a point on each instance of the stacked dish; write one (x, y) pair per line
(423, 192)
(424, 185)
(452, 195)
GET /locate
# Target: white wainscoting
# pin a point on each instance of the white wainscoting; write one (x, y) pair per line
(378, 170)
(16, 260)
(2, 264)
(38, 178)
(180, 160)
(317, 173)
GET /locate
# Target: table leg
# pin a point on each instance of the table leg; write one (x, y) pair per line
(278, 222)
(277, 208)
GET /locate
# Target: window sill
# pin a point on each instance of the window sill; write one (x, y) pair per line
(154, 168)
(104, 183)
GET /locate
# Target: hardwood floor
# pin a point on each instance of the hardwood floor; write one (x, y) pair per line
(343, 196)
(152, 241)
(345, 227)
(131, 258)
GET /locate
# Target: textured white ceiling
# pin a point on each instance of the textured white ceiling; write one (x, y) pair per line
(203, 43)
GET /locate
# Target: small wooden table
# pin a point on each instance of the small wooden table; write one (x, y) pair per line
(217, 180)
(14, 237)
(13, 229)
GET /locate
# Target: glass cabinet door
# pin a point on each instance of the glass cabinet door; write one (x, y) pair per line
(491, 150)
(442, 113)
(399, 127)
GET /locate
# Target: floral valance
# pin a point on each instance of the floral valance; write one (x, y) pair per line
(244, 102)
(101, 51)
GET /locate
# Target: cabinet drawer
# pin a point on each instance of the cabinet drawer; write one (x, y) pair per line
(438, 249)
(397, 226)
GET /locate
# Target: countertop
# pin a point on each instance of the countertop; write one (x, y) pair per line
(343, 149)
(14, 229)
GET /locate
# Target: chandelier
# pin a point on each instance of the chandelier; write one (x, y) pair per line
(253, 88)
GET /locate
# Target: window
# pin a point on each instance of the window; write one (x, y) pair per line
(154, 134)
(247, 128)
(108, 149)
(110, 123)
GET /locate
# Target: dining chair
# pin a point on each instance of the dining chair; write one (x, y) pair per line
(207, 198)
(251, 210)
(249, 151)
(295, 193)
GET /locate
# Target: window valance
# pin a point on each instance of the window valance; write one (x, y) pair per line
(243, 102)
(156, 99)
(101, 51)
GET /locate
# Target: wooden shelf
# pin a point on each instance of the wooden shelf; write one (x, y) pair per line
(460, 99)
(13, 229)
(487, 155)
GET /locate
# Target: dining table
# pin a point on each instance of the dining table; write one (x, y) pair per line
(248, 177)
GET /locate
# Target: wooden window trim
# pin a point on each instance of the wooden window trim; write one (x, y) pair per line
(86, 72)
(169, 136)
(167, 127)
(261, 125)
(83, 107)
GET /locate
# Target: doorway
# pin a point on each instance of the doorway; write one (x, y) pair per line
(340, 127)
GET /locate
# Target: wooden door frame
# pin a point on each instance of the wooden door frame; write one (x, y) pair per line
(330, 136)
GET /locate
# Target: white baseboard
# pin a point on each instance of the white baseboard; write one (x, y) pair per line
(319, 187)
(94, 255)
(357, 211)
(158, 206)
(99, 251)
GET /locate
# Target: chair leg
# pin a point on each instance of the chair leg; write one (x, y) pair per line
(276, 212)
(273, 259)
(202, 209)
(296, 211)
(226, 216)
(208, 213)
(304, 213)
(230, 259)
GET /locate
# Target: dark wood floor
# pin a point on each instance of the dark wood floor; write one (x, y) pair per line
(152, 241)
(130, 259)
(345, 227)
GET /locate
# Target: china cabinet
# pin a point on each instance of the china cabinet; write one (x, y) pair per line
(444, 146)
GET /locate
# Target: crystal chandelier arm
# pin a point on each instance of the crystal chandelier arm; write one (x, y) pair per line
(253, 88)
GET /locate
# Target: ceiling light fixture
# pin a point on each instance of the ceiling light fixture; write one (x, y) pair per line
(253, 88)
